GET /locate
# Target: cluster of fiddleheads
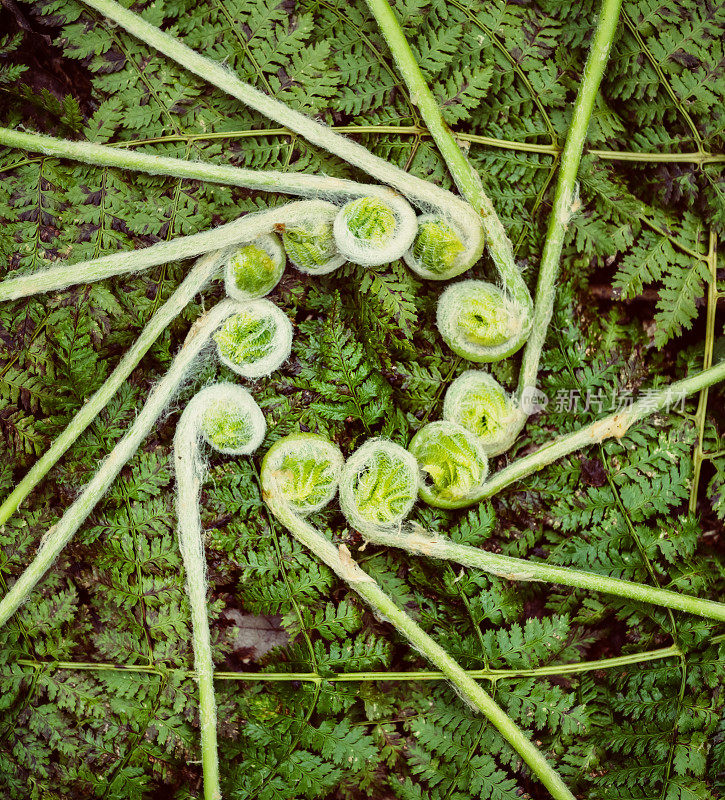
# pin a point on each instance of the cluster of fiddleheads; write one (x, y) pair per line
(446, 463)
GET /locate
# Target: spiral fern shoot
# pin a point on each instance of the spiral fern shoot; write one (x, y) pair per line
(373, 232)
(254, 269)
(256, 340)
(378, 485)
(478, 402)
(228, 419)
(304, 470)
(310, 243)
(480, 322)
(288, 474)
(452, 462)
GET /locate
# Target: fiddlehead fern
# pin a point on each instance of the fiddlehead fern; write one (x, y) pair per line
(478, 402)
(288, 479)
(378, 485)
(254, 269)
(310, 243)
(302, 471)
(480, 322)
(452, 462)
(226, 417)
(372, 231)
(256, 340)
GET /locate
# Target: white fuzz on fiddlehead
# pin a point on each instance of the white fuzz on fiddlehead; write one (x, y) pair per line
(310, 243)
(440, 248)
(478, 402)
(301, 472)
(230, 419)
(254, 269)
(453, 464)
(375, 230)
(480, 322)
(378, 486)
(227, 417)
(256, 340)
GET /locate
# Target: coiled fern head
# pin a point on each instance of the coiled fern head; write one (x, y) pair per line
(478, 402)
(453, 464)
(310, 243)
(378, 486)
(256, 340)
(375, 229)
(255, 268)
(230, 419)
(302, 471)
(479, 322)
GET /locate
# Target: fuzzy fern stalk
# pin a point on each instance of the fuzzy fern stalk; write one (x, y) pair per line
(241, 230)
(453, 464)
(432, 236)
(300, 475)
(429, 198)
(378, 488)
(375, 252)
(199, 276)
(256, 340)
(60, 534)
(227, 418)
(478, 402)
(565, 193)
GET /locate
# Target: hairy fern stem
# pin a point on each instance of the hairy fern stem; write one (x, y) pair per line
(292, 472)
(61, 533)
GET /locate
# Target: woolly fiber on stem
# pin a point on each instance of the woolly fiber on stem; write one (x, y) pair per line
(614, 425)
(241, 230)
(320, 187)
(420, 542)
(339, 560)
(428, 197)
(463, 173)
(195, 281)
(190, 469)
(61, 533)
(565, 195)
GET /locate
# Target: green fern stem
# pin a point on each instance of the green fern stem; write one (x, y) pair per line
(425, 195)
(614, 425)
(245, 229)
(463, 173)
(199, 276)
(301, 473)
(420, 542)
(227, 417)
(60, 534)
(565, 199)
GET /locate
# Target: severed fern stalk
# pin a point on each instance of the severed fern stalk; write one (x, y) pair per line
(229, 420)
(300, 475)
